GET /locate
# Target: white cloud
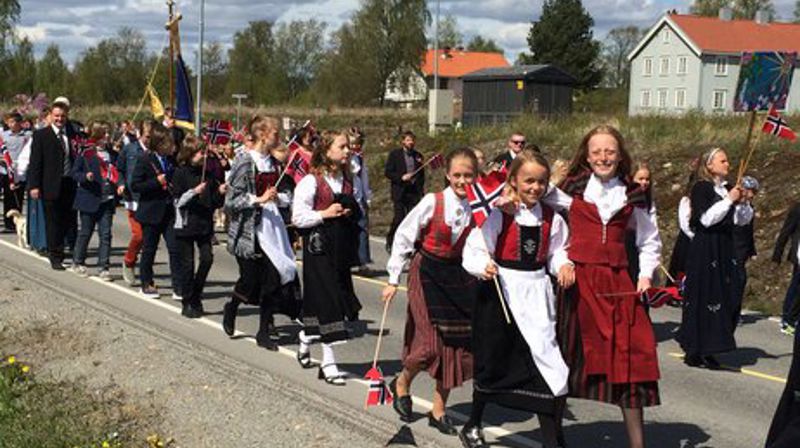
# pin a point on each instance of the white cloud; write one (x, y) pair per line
(35, 33)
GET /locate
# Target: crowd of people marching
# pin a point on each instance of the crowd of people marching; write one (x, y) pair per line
(530, 279)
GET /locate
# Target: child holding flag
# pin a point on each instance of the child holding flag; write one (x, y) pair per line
(519, 364)
(95, 197)
(440, 292)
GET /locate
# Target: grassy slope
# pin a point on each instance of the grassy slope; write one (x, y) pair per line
(667, 143)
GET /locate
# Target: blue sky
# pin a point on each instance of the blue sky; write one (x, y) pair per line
(77, 24)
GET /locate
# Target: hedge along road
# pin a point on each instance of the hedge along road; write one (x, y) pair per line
(730, 408)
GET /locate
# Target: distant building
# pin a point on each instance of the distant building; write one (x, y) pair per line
(688, 62)
(499, 95)
(453, 65)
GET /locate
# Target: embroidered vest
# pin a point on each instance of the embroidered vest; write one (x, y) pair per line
(324, 196)
(593, 242)
(437, 236)
(524, 248)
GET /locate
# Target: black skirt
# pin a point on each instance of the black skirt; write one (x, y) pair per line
(450, 293)
(329, 251)
(505, 373)
(260, 283)
(680, 253)
(785, 429)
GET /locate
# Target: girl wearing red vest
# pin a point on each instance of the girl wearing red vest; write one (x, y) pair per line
(440, 292)
(327, 214)
(519, 365)
(606, 334)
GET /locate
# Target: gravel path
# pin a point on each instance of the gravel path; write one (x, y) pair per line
(197, 397)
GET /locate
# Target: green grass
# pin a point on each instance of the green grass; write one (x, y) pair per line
(667, 143)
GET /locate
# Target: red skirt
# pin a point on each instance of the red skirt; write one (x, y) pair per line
(608, 340)
(423, 346)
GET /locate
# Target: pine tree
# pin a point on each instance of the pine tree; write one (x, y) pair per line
(797, 11)
(479, 43)
(52, 73)
(563, 37)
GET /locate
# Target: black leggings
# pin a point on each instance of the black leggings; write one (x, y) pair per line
(552, 434)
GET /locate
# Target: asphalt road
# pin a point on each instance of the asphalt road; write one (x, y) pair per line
(700, 408)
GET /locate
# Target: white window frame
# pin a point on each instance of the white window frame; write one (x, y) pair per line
(663, 96)
(680, 94)
(683, 65)
(721, 66)
(665, 35)
(645, 99)
(663, 66)
(723, 95)
(647, 66)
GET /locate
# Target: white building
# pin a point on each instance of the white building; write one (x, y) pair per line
(690, 62)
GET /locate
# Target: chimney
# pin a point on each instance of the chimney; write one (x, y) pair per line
(725, 14)
(762, 17)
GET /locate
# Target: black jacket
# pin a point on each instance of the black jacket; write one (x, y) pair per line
(396, 168)
(90, 194)
(198, 213)
(791, 228)
(155, 201)
(46, 167)
(504, 159)
(744, 244)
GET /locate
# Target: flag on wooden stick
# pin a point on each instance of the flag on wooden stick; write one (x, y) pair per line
(484, 193)
(777, 126)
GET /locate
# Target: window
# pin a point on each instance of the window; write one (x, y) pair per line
(718, 101)
(683, 63)
(662, 98)
(665, 36)
(680, 98)
(721, 66)
(645, 98)
(663, 66)
(648, 66)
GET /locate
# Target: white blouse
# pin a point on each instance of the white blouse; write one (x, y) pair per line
(742, 215)
(457, 215)
(685, 216)
(303, 214)
(611, 197)
(481, 243)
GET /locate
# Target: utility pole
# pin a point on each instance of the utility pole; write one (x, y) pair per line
(198, 109)
(171, 6)
(238, 97)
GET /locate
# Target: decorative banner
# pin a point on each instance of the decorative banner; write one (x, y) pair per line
(764, 80)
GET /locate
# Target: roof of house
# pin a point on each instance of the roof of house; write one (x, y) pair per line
(457, 63)
(541, 73)
(713, 35)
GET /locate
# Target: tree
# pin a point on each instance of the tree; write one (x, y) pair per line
(383, 45)
(52, 73)
(251, 64)
(478, 43)
(563, 37)
(215, 71)
(797, 11)
(299, 48)
(19, 69)
(9, 14)
(618, 44)
(449, 35)
(741, 9)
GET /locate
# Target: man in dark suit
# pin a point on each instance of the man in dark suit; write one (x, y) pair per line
(408, 184)
(49, 178)
(151, 180)
(515, 144)
(790, 229)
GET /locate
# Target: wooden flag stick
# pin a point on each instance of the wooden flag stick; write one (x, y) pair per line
(205, 165)
(380, 335)
(288, 162)
(501, 296)
(749, 147)
(666, 272)
(422, 167)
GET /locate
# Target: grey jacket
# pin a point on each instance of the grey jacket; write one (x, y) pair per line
(244, 215)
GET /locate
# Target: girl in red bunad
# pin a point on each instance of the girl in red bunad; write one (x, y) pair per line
(440, 292)
(606, 335)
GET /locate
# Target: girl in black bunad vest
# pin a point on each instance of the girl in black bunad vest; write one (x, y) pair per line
(710, 314)
(440, 292)
(606, 335)
(519, 365)
(256, 234)
(326, 213)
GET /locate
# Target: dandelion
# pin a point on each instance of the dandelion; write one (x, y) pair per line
(12, 359)
(26, 369)
(106, 444)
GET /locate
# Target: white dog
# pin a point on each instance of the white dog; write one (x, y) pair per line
(21, 223)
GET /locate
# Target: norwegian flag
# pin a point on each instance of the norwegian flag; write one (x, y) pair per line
(218, 132)
(658, 297)
(8, 164)
(299, 161)
(484, 193)
(378, 393)
(436, 162)
(777, 126)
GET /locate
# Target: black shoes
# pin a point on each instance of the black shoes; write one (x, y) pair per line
(443, 424)
(693, 360)
(263, 340)
(334, 380)
(304, 359)
(711, 362)
(229, 318)
(401, 405)
(472, 437)
(192, 311)
(707, 361)
(57, 265)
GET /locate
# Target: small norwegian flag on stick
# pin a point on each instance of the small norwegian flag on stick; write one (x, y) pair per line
(484, 193)
(378, 393)
(777, 126)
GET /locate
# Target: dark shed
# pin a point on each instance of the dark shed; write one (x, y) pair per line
(497, 95)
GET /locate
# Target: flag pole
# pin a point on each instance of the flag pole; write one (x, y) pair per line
(171, 5)
(422, 167)
(748, 148)
(746, 161)
(380, 334)
(288, 162)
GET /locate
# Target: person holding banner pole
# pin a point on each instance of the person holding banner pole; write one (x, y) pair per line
(440, 292)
